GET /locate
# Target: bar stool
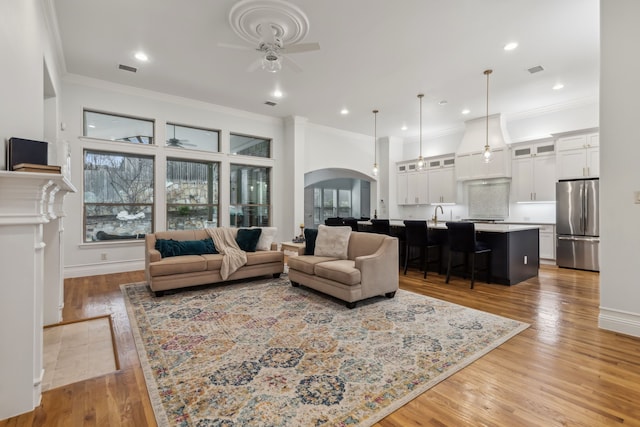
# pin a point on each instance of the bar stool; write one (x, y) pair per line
(381, 226)
(417, 235)
(351, 222)
(334, 221)
(462, 238)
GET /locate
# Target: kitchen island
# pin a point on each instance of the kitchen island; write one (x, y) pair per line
(515, 248)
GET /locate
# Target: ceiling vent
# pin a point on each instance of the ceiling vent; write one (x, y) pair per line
(270, 103)
(535, 69)
(127, 68)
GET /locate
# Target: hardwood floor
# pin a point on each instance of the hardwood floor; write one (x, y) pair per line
(562, 371)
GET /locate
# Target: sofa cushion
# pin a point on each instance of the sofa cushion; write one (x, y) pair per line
(306, 263)
(170, 247)
(247, 238)
(264, 257)
(332, 241)
(310, 236)
(343, 271)
(214, 262)
(267, 236)
(178, 265)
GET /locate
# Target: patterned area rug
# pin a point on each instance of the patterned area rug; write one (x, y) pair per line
(264, 353)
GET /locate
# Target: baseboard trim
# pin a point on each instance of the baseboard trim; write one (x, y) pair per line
(103, 268)
(619, 321)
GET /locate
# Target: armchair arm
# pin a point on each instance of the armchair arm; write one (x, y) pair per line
(379, 271)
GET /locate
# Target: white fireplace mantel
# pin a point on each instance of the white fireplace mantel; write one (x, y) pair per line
(31, 280)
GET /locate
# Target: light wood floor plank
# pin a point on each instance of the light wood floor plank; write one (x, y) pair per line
(561, 371)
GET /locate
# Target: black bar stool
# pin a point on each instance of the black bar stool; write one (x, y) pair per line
(334, 221)
(417, 235)
(381, 226)
(462, 238)
(351, 222)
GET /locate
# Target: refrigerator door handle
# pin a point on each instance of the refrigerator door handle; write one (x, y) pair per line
(580, 238)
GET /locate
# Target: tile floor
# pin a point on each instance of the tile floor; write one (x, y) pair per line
(77, 351)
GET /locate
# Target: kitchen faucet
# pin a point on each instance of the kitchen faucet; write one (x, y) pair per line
(435, 214)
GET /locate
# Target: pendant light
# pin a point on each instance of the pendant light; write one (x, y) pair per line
(420, 159)
(375, 143)
(487, 149)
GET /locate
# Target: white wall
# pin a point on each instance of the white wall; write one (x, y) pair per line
(619, 171)
(83, 259)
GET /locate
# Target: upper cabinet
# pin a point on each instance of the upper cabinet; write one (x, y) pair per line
(578, 156)
(442, 181)
(534, 171)
(412, 187)
(472, 165)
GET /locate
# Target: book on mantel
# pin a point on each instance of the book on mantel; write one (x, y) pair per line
(32, 167)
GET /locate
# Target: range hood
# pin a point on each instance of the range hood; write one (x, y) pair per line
(475, 134)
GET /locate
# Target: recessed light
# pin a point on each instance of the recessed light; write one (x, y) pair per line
(443, 102)
(404, 127)
(344, 111)
(277, 93)
(558, 86)
(510, 46)
(465, 111)
(141, 56)
(92, 126)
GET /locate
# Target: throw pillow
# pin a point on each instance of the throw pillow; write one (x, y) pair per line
(170, 247)
(267, 237)
(310, 235)
(247, 238)
(332, 241)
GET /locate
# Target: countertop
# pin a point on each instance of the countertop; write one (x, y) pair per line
(492, 228)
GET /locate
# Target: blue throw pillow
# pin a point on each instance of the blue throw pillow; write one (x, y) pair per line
(170, 247)
(310, 235)
(247, 238)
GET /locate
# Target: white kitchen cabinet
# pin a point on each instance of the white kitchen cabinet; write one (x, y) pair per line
(418, 188)
(412, 187)
(441, 180)
(472, 166)
(534, 172)
(547, 242)
(578, 156)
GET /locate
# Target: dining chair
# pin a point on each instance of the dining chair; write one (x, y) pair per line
(462, 239)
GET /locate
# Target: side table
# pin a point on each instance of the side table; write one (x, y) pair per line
(297, 248)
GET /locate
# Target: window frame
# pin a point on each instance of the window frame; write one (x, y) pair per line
(269, 140)
(167, 204)
(123, 153)
(124, 116)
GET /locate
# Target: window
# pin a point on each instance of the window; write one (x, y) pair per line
(250, 201)
(118, 128)
(118, 196)
(192, 138)
(192, 194)
(250, 146)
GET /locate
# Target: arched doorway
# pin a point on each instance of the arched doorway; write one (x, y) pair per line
(336, 192)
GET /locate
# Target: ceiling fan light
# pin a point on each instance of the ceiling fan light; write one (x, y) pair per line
(271, 62)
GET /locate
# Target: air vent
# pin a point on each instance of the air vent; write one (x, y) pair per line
(270, 103)
(535, 69)
(127, 68)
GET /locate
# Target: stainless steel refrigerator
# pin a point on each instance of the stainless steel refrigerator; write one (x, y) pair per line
(577, 224)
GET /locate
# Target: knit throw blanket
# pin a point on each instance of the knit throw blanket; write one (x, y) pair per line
(232, 256)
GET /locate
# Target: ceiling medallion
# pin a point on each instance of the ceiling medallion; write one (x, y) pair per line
(250, 19)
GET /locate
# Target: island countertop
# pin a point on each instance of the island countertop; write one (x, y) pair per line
(481, 226)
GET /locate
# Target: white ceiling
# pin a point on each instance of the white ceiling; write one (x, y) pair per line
(374, 54)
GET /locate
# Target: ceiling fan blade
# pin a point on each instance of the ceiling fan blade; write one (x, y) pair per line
(234, 46)
(292, 64)
(301, 47)
(254, 65)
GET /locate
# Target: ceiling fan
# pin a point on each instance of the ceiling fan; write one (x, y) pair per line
(180, 143)
(273, 50)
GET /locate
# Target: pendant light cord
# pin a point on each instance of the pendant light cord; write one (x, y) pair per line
(420, 97)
